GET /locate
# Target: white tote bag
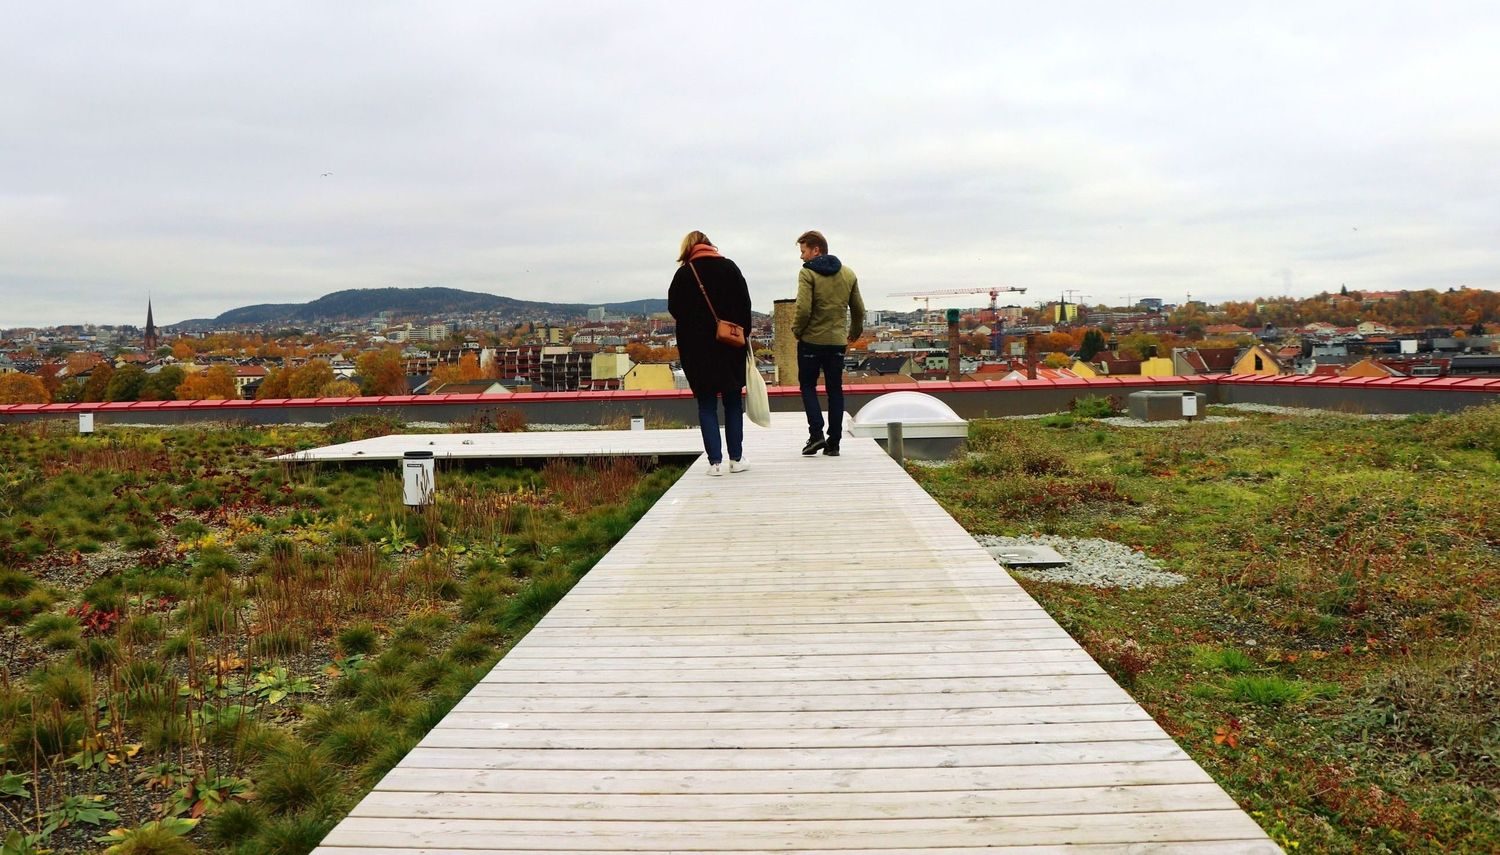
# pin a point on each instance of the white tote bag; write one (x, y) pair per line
(757, 401)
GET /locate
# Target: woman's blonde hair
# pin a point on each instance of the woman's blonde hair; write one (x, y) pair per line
(692, 239)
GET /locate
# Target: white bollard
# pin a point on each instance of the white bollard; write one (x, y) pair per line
(418, 478)
(1189, 405)
(85, 424)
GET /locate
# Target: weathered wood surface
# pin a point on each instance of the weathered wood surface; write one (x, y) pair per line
(810, 656)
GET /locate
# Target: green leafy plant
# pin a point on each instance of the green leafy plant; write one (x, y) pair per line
(275, 684)
(13, 785)
(16, 843)
(203, 796)
(396, 540)
(90, 810)
(158, 837)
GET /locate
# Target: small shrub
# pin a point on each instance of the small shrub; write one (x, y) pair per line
(355, 741)
(52, 733)
(1095, 407)
(293, 835)
(165, 731)
(358, 638)
(15, 584)
(235, 823)
(68, 685)
(296, 780)
(1229, 660)
(1268, 691)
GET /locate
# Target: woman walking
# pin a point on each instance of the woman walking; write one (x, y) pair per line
(707, 289)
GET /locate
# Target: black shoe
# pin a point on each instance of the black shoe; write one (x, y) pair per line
(831, 449)
(813, 444)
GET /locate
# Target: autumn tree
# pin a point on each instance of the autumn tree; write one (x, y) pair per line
(126, 384)
(183, 351)
(1139, 346)
(17, 388)
(309, 380)
(446, 373)
(215, 384)
(276, 385)
(96, 386)
(340, 389)
(468, 366)
(162, 385)
(1055, 341)
(638, 351)
(1057, 360)
(381, 372)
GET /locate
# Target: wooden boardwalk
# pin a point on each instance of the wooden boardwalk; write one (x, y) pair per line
(810, 656)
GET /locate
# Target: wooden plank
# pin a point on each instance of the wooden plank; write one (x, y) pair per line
(852, 719)
(1061, 662)
(802, 687)
(1018, 651)
(455, 736)
(756, 807)
(542, 835)
(786, 781)
(1079, 696)
(755, 759)
(1252, 846)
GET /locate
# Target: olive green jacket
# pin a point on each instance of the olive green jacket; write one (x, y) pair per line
(822, 302)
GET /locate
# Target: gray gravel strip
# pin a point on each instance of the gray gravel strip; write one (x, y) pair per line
(1092, 561)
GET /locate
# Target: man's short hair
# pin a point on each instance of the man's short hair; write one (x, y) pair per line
(814, 240)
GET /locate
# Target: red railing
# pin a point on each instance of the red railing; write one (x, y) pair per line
(1102, 384)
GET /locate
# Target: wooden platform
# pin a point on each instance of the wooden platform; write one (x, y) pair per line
(810, 656)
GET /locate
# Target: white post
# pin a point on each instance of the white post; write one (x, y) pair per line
(418, 470)
(85, 424)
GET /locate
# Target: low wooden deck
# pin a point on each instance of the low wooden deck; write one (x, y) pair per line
(810, 656)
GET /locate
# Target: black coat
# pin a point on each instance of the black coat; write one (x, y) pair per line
(709, 365)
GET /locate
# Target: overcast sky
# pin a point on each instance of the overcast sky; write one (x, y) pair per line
(559, 151)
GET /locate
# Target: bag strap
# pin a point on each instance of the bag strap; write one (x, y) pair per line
(704, 291)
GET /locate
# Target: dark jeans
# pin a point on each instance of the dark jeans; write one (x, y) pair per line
(828, 359)
(734, 424)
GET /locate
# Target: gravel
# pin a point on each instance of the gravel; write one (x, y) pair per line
(1127, 421)
(1307, 411)
(1094, 562)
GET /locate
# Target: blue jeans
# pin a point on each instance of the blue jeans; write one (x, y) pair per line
(734, 424)
(828, 359)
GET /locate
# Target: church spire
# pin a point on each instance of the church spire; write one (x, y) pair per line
(152, 341)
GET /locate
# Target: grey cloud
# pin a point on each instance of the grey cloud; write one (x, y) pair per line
(561, 150)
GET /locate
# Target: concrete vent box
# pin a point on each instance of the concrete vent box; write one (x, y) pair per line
(1157, 406)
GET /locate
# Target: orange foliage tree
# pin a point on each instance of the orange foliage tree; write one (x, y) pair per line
(215, 384)
(18, 388)
(381, 372)
(310, 380)
(276, 385)
(183, 351)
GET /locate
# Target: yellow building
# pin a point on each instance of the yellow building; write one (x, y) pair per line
(1258, 360)
(609, 366)
(1157, 366)
(648, 376)
(1083, 369)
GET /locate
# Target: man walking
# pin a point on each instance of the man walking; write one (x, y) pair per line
(830, 317)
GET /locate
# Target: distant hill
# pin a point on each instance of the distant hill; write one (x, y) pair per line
(358, 303)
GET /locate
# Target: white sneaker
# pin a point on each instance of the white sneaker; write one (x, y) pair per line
(716, 469)
(738, 466)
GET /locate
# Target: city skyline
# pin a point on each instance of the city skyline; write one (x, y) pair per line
(219, 157)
